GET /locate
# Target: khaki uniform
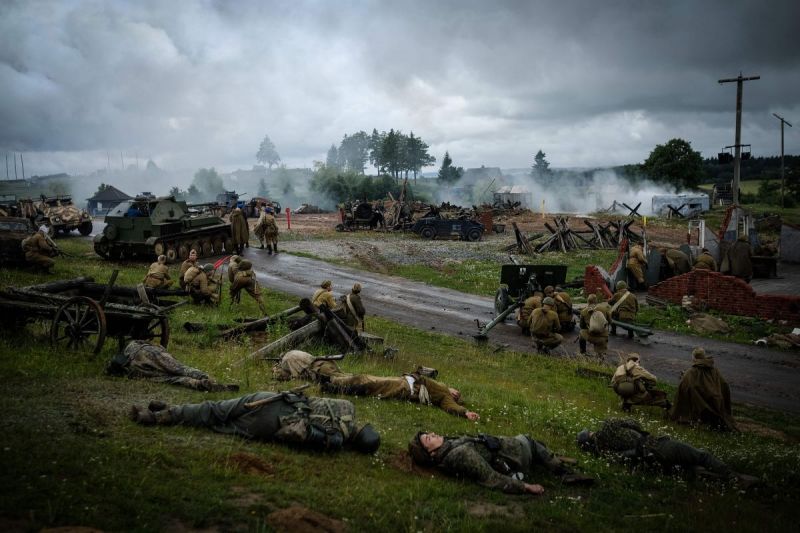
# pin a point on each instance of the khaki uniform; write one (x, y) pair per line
(544, 326)
(626, 311)
(296, 364)
(599, 341)
(564, 311)
(678, 262)
(38, 251)
(645, 382)
(705, 262)
(637, 263)
(246, 280)
(324, 296)
(240, 231)
(267, 230)
(421, 389)
(185, 266)
(704, 395)
(202, 287)
(739, 258)
(233, 268)
(524, 314)
(157, 276)
(354, 311)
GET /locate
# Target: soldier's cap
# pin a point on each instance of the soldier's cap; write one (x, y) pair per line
(584, 439)
(326, 284)
(621, 285)
(208, 267)
(367, 440)
(236, 258)
(192, 252)
(244, 264)
(356, 288)
(418, 452)
(549, 301)
(633, 357)
(162, 258)
(699, 353)
(548, 289)
(592, 299)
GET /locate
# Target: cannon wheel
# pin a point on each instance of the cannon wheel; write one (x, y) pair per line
(81, 322)
(474, 235)
(156, 331)
(427, 232)
(501, 300)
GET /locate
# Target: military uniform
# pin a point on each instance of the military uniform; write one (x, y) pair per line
(353, 309)
(623, 308)
(240, 231)
(678, 261)
(499, 463)
(233, 267)
(185, 266)
(625, 439)
(318, 423)
(323, 296)
(142, 360)
(637, 263)
(296, 364)
(703, 395)
(598, 340)
(202, 287)
(524, 316)
(706, 262)
(38, 251)
(157, 276)
(411, 388)
(544, 328)
(245, 279)
(644, 386)
(739, 259)
(267, 230)
(563, 309)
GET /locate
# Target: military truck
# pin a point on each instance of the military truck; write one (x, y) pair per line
(60, 215)
(147, 227)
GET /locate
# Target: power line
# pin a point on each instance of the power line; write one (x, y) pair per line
(738, 143)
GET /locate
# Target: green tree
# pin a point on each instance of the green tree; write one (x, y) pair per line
(375, 147)
(448, 174)
(177, 193)
(417, 155)
(675, 163)
(208, 183)
(332, 160)
(267, 153)
(263, 191)
(354, 152)
(101, 188)
(541, 167)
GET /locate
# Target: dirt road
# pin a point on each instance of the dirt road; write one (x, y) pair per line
(757, 376)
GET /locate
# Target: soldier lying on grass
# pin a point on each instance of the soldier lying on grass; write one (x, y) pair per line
(412, 387)
(286, 417)
(500, 463)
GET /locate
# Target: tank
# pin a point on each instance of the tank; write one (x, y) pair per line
(148, 227)
(60, 215)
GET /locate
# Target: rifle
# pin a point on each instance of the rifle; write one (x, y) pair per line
(280, 396)
(55, 247)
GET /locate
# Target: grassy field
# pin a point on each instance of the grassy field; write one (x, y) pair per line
(72, 458)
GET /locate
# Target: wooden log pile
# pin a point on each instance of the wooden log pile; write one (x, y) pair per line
(563, 238)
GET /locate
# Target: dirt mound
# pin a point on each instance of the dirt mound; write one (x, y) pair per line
(252, 464)
(402, 462)
(296, 519)
(748, 425)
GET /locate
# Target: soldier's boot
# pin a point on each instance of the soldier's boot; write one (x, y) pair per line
(269, 249)
(582, 346)
(262, 246)
(630, 333)
(542, 349)
(275, 247)
(626, 407)
(220, 387)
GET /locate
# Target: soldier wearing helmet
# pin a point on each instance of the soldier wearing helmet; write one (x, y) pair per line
(544, 326)
(158, 274)
(636, 386)
(624, 307)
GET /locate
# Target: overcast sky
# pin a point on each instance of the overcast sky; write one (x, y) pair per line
(199, 84)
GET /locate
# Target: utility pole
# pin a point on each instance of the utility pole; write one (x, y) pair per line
(23, 165)
(16, 177)
(122, 161)
(7, 166)
(738, 153)
(783, 175)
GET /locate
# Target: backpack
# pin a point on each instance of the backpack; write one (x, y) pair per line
(597, 323)
(539, 323)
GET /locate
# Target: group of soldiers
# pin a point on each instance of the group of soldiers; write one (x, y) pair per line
(266, 230)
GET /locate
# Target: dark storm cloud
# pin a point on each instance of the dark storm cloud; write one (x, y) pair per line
(199, 83)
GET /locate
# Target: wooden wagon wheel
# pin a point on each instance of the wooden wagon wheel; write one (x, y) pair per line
(157, 331)
(81, 322)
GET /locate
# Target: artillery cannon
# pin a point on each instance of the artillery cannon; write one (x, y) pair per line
(517, 283)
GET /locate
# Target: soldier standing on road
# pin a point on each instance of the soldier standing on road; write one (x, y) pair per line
(38, 251)
(545, 327)
(624, 307)
(269, 230)
(636, 386)
(240, 231)
(324, 295)
(506, 464)
(185, 266)
(705, 261)
(595, 318)
(637, 264)
(245, 279)
(703, 395)
(158, 274)
(289, 418)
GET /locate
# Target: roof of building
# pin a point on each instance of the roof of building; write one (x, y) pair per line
(512, 189)
(110, 194)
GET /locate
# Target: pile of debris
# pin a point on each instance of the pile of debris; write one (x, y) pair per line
(308, 209)
(503, 208)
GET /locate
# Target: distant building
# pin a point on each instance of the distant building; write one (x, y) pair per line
(513, 194)
(686, 204)
(474, 175)
(107, 199)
